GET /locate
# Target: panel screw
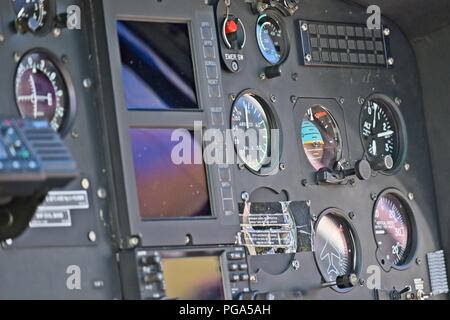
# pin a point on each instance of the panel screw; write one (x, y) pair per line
(308, 203)
(398, 101)
(293, 99)
(56, 32)
(102, 194)
(282, 166)
(391, 61)
(64, 59)
(418, 261)
(314, 218)
(2, 38)
(262, 76)
(373, 196)
(361, 100)
(407, 167)
(273, 98)
(341, 100)
(245, 196)
(9, 242)
(387, 32)
(241, 166)
(16, 56)
(232, 97)
(351, 215)
(304, 27)
(411, 196)
(362, 282)
(295, 76)
(92, 236)
(85, 184)
(188, 239)
(304, 182)
(308, 58)
(133, 242)
(253, 278)
(296, 265)
(87, 83)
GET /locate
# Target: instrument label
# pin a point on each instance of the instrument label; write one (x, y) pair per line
(51, 219)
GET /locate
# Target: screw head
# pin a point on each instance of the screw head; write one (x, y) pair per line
(341, 100)
(17, 56)
(296, 265)
(308, 58)
(418, 261)
(245, 196)
(262, 76)
(373, 196)
(305, 27)
(315, 218)
(133, 242)
(87, 83)
(351, 215)
(2, 38)
(273, 98)
(308, 203)
(92, 236)
(387, 32)
(293, 99)
(391, 61)
(232, 97)
(56, 32)
(361, 100)
(407, 167)
(295, 76)
(398, 101)
(253, 278)
(282, 166)
(85, 184)
(411, 196)
(102, 193)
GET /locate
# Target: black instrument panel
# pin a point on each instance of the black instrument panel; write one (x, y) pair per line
(351, 139)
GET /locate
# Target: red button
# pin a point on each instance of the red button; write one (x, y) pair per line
(231, 27)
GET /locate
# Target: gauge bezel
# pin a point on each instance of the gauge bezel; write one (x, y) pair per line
(413, 239)
(357, 249)
(340, 155)
(48, 25)
(401, 131)
(284, 54)
(71, 105)
(273, 122)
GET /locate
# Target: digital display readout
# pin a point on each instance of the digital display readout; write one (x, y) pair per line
(193, 278)
(157, 65)
(165, 189)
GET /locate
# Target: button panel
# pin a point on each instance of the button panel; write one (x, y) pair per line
(328, 44)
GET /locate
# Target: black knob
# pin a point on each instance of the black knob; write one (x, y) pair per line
(347, 281)
(385, 164)
(363, 170)
(273, 72)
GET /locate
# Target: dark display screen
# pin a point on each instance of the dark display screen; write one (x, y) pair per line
(157, 66)
(167, 190)
(196, 278)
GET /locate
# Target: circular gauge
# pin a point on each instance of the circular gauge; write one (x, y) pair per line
(251, 126)
(272, 38)
(31, 14)
(321, 138)
(383, 135)
(335, 247)
(393, 229)
(40, 90)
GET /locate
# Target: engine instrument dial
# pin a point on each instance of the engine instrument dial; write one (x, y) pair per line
(40, 90)
(251, 126)
(382, 134)
(321, 138)
(272, 38)
(335, 248)
(31, 15)
(393, 229)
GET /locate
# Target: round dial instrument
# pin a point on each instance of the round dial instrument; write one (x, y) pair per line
(272, 38)
(251, 127)
(382, 134)
(321, 138)
(334, 247)
(40, 90)
(393, 229)
(31, 15)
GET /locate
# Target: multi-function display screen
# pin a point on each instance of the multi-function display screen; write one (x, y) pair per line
(166, 189)
(157, 65)
(197, 278)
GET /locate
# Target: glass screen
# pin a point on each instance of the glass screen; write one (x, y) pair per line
(157, 65)
(197, 278)
(167, 190)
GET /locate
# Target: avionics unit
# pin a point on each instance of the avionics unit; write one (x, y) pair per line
(166, 78)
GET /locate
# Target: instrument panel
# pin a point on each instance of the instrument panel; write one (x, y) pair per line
(319, 185)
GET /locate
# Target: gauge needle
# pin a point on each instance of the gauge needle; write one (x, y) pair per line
(374, 147)
(247, 122)
(386, 134)
(375, 107)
